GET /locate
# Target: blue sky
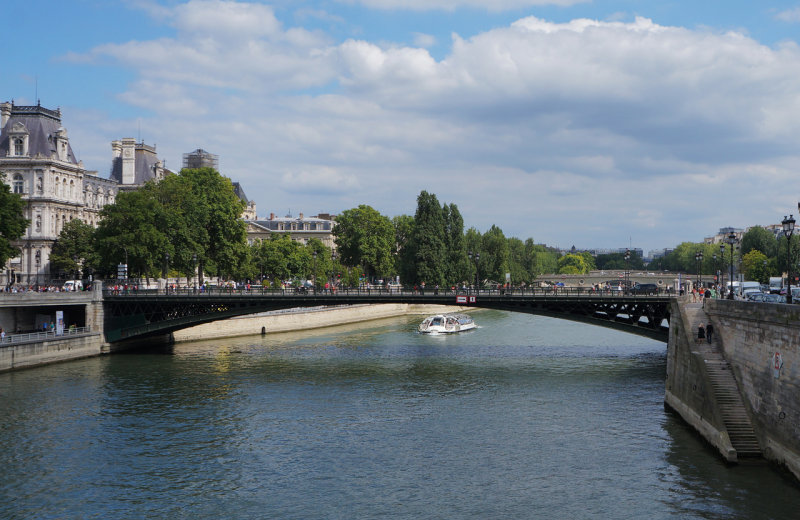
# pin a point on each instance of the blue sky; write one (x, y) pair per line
(599, 124)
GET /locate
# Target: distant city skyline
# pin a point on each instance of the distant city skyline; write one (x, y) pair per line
(594, 124)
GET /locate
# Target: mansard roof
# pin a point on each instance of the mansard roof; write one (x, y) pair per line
(42, 124)
(239, 191)
(145, 165)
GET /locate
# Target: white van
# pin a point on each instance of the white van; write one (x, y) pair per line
(73, 285)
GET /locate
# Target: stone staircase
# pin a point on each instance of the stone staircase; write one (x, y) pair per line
(731, 406)
(727, 394)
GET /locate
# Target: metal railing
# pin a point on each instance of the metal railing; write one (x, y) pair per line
(32, 337)
(381, 291)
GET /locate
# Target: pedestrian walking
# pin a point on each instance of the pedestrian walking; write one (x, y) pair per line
(2, 335)
(709, 333)
(701, 332)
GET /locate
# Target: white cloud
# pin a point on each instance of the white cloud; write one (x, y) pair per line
(789, 15)
(621, 128)
(452, 5)
(318, 180)
(424, 40)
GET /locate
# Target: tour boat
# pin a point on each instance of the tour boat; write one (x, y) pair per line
(446, 324)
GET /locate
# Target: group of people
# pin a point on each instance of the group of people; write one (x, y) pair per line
(706, 332)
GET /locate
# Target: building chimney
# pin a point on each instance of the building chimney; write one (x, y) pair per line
(128, 160)
(301, 216)
(272, 216)
(5, 114)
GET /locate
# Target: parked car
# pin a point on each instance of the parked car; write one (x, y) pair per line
(755, 297)
(644, 288)
(774, 298)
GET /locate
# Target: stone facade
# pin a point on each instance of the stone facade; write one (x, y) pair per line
(38, 163)
(301, 228)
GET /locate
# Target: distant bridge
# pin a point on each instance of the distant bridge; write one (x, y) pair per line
(139, 314)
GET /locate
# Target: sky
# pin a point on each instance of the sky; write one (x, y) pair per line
(598, 124)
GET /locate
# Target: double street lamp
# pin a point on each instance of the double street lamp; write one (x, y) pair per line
(788, 228)
(698, 256)
(477, 258)
(731, 240)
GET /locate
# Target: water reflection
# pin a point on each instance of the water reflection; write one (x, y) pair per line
(524, 417)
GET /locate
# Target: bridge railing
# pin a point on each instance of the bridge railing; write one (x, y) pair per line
(377, 291)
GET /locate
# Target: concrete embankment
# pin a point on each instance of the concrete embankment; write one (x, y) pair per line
(303, 319)
(37, 353)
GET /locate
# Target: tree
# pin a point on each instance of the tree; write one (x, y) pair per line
(365, 238)
(754, 266)
(429, 246)
(12, 221)
(214, 211)
(759, 239)
(404, 260)
(458, 268)
(572, 264)
(133, 230)
(73, 249)
(494, 255)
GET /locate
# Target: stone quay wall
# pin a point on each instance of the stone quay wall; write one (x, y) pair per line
(688, 388)
(761, 341)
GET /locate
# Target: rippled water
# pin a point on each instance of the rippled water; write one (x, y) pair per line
(525, 417)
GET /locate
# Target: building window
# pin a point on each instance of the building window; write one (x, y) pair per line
(19, 146)
(19, 184)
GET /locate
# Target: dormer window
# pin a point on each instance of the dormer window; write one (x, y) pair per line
(18, 140)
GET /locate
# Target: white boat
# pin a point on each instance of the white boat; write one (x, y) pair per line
(446, 324)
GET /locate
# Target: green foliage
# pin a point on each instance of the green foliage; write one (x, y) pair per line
(755, 266)
(12, 221)
(572, 264)
(429, 244)
(72, 250)
(759, 239)
(194, 213)
(494, 262)
(366, 238)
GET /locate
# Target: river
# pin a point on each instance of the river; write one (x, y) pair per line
(525, 417)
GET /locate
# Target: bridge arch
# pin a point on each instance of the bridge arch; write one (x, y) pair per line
(139, 315)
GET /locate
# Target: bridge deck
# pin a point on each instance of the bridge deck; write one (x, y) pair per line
(137, 314)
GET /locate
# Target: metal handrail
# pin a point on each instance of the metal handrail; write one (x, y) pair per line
(379, 291)
(28, 337)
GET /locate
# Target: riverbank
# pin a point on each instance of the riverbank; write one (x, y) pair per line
(303, 319)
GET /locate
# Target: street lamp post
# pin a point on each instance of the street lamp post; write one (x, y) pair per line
(166, 268)
(477, 257)
(627, 270)
(788, 228)
(721, 268)
(314, 254)
(731, 240)
(699, 258)
(194, 271)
